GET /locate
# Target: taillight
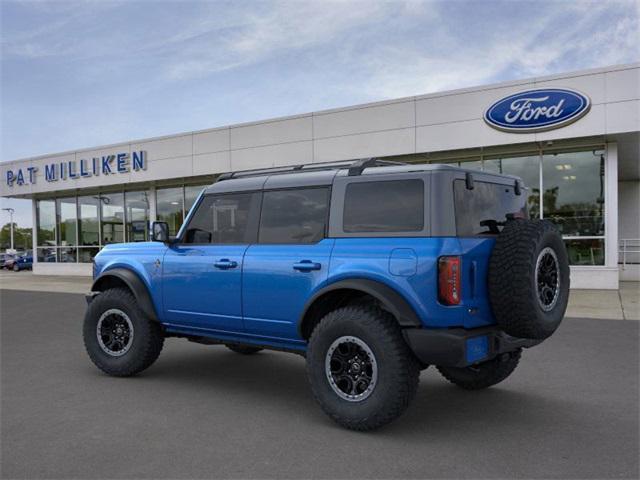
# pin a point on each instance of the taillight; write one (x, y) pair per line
(449, 280)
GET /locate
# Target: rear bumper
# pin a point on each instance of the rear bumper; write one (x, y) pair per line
(459, 347)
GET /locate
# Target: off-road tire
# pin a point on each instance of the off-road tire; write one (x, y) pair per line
(513, 291)
(148, 337)
(242, 349)
(398, 369)
(483, 375)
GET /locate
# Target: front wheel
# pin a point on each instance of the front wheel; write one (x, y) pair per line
(16, 268)
(120, 340)
(361, 371)
(483, 375)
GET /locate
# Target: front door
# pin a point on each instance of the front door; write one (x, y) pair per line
(289, 261)
(202, 273)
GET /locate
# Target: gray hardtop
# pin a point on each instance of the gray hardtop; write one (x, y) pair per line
(325, 174)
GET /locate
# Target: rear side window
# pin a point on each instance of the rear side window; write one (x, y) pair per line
(487, 203)
(294, 216)
(224, 219)
(386, 206)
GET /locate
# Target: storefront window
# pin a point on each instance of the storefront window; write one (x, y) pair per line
(527, 168)
(88, 223)
(137, 216)
(574, 192)
(191, 195)
(574, 200)
(585, 252)
(46, 219)
(112, 218)
(67, 212)
(169, 207)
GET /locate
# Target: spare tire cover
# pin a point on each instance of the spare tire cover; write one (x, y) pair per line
(529, 278)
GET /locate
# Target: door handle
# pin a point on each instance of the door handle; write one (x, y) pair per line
(306, 266)
(225, 264)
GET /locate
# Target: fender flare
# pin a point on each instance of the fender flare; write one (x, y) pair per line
(395, 303)
(135, 284)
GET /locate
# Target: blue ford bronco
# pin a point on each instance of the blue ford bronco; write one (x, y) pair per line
(370, 269)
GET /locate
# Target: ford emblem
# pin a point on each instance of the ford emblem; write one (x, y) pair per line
(537, 110)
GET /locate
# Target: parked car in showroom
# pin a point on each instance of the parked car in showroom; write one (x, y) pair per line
(370, 269)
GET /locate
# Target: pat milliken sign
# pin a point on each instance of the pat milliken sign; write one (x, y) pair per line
(537, 110)
(115, 164)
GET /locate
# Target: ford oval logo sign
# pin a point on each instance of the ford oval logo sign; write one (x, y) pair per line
(537, 110)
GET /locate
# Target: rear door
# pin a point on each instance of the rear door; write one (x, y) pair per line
(202, 274)
(289, 261)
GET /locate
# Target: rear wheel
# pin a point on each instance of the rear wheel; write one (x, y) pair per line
(361, 371)
(120, 340)
(483, 375)
(242, 349)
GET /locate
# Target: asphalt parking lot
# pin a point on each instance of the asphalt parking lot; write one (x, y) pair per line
(569, 411)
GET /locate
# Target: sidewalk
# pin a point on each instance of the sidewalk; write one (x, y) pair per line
(623, 304)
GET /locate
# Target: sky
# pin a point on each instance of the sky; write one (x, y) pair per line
(86, 73)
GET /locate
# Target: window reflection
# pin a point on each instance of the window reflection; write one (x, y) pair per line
(191, 195)
(46, 220)
(137, 216)
(585, 252)
(112, 206)
(66, 208)
(574, 192)
(527, 168)
(169, 208)
(88, 220)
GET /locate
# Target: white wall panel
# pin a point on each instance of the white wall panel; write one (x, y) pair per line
(592, 85)
(212, 141)
(210, 163)
(392, 142)
(166, 168)
(360, 120)
(166, 147)
(623, 85)
(623, 116)
(269, 156)
(271, 133)
(462, 107)
(593, 123)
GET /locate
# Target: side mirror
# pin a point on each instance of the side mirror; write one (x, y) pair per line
(160, 232)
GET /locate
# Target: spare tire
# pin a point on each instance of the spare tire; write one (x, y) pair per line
(529, 278)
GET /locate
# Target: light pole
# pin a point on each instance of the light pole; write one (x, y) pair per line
(11, 212)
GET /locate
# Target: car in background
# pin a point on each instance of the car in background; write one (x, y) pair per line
(7, 259)
(23, 262)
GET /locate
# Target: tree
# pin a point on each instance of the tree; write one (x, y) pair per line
(22, 237)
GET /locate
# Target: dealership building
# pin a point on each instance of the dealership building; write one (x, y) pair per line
(573, 138)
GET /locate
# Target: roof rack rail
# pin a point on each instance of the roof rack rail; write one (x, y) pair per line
(356, 167)
(359, 165)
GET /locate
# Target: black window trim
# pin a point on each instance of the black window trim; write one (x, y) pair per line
(325, 233)
(386, 233)
(494, 182)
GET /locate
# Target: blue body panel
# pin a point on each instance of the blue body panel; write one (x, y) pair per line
(202, 286)
(277, 282)
(256, 293)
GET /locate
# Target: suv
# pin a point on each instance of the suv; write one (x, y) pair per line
(371, 270)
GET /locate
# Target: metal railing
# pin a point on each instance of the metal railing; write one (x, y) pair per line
(628, 247)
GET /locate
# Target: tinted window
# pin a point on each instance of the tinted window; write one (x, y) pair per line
(486, 202)
(391, 206)
(294, 216)
(224, 219)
